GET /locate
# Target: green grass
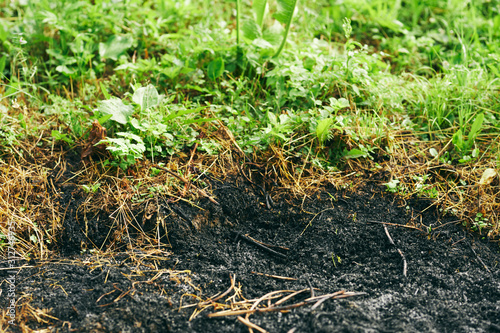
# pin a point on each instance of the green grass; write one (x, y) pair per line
(356, 81)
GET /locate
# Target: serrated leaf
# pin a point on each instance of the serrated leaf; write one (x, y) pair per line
(115, 46)
(323, 129)
(117, 109)
(215, 68)
(146, 97)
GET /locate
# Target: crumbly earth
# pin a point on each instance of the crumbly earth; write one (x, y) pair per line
(335, 239)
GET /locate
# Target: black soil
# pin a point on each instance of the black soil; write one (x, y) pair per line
(334, 243)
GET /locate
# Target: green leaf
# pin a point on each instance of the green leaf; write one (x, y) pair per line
(4, 32)
(3, 61)
(458, 140)
(215, 68)
(115, 46)
(146, 97)
(119, 112)
(475, 128)
(285, 15)
(182, 113)
(355, 153)
(104, 90)
(65, 70)
(104, 119)
(259, 8)
(272, 118)
(251, 30)
(323, 129)
(285, 10)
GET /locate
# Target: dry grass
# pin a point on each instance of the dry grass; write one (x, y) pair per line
(30, 196)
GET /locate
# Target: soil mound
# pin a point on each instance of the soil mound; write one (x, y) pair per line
(348, 262)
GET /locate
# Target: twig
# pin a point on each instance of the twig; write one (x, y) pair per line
(258, 244)
(395, 224)
(268, 245)
(400, 252)
(286, 298)
(336, 295)
(251, 325)
(275, 276)
(479, 258)
(310, 286)
(209, 301)
(317, 214)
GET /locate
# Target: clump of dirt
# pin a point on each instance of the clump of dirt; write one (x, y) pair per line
(433, 276)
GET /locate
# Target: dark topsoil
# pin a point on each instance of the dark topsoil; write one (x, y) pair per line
(452, 282)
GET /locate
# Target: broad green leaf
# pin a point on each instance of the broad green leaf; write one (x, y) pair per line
(355, 153)
(104, 119)
(272, 118)
(285, 10)
(476, 127)
(323, 129)
(65, 70)
(251, 30)
(115, 107)
(262, 43)
(146, 97)
(285, 15)
(259, 9)
(338, 104)
(215, 68)
(114, 47)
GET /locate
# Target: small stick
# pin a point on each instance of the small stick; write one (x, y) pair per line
(400, 252)
(310, 286)
(268, 245)
(275, 276)
(286, 298)
(479, 258)
(253, 309)
(395, 225)
(261, 246)
(233, 281)
(251, 325)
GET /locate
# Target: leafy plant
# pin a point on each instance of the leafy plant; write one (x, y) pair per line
(253, 28)
(125, 150)
(393, 185)
(464, 144)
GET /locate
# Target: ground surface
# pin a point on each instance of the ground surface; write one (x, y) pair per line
(333, 242)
